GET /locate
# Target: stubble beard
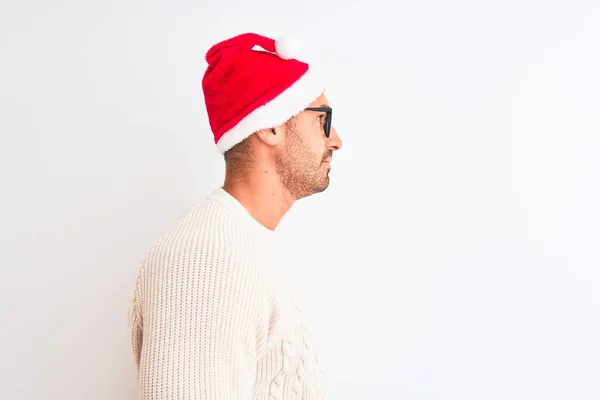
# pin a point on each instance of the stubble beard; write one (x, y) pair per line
(300, 173)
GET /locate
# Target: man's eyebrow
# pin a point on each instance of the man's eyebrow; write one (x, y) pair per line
(325, 106)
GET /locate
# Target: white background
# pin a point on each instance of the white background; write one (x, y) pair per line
(455, 255)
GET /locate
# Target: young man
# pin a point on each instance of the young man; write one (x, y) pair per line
(211, 317)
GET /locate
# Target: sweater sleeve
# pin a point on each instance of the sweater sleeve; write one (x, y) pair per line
(202, 327)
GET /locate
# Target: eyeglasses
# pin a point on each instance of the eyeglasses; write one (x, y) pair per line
(328, 110)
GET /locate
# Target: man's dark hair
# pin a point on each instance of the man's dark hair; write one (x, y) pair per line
(238, 157)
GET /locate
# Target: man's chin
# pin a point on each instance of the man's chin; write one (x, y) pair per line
(324, 185)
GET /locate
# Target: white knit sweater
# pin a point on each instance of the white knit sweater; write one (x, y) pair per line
(213, 317)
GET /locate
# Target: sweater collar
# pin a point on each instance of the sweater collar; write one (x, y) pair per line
(226, 198)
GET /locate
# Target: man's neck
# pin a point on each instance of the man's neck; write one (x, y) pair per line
(260, 191)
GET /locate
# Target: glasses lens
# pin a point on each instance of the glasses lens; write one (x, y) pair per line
(327, 125)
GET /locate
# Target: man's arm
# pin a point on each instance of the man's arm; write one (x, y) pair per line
(200, 328)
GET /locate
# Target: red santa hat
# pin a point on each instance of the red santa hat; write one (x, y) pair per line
(246, 90)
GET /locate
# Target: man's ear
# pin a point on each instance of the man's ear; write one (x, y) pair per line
(270, 136)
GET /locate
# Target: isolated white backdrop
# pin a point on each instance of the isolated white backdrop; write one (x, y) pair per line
(455, 255)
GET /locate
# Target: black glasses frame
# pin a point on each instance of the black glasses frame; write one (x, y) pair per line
(328, 110)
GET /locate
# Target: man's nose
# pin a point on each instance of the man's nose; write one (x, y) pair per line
(334, 142)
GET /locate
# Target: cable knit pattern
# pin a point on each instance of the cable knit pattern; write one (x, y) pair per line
(214, 318)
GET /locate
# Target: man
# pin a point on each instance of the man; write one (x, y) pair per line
(211, 316)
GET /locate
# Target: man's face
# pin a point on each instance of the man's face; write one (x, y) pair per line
(303, 160)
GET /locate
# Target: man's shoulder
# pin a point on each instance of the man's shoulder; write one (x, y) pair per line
(204, 224)
(207, 229)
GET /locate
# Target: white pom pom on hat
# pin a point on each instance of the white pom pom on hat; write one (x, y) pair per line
(287, 47)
